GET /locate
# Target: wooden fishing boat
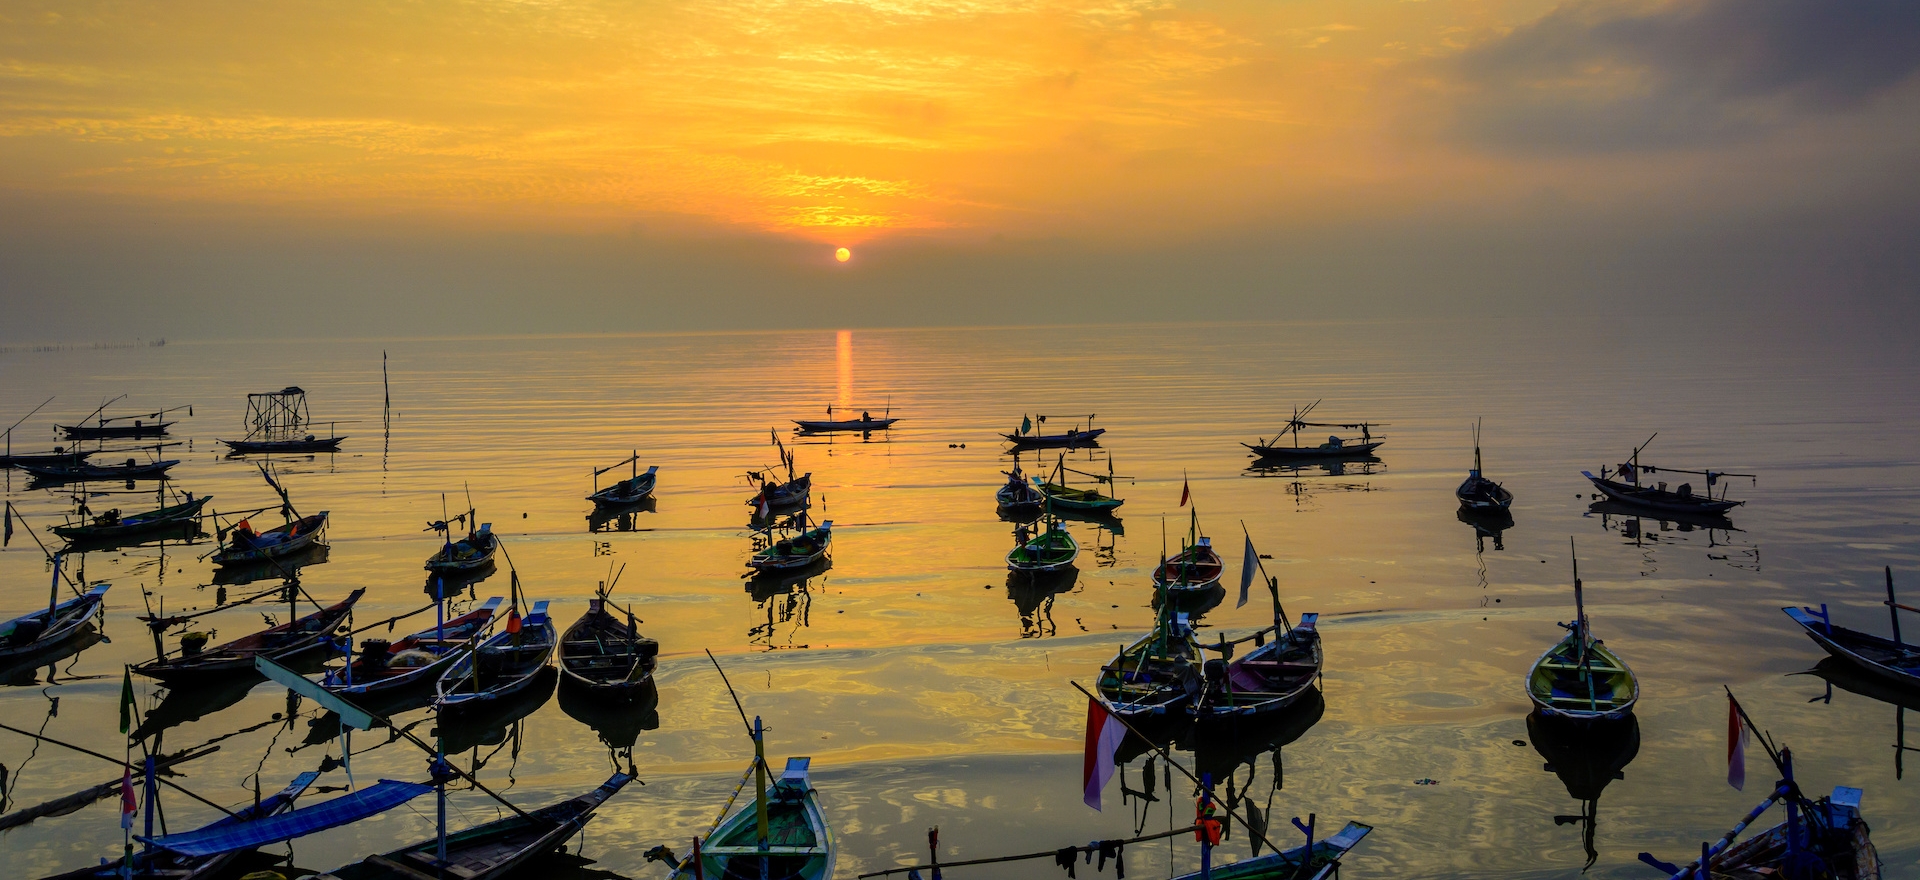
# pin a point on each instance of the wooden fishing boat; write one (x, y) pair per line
(1157, 675)
(244, 545)
(469, 554)
(503, 665)
(28, 636)
(139, 430)
(83, 470)
(290, 445)
(1273, 676)
(777, 496)
(164, 864)
(414, 662)
(1072, 438)
(112, 525)
(57, 458)
(1680, 500)
(1478, 493)
(606, 656)
(1827, 838)
(490, 851)
(1318, 860)
(865, 424)
(282, 643)
(1053, 549)
(803, 548)
(1891, 660)
(1623, 485)
(279, 422)
(1017, 493)
(1335, 447)
(799, 845)
(1581, 679)
(1194, 570)
(1061, 496)
(632, 490)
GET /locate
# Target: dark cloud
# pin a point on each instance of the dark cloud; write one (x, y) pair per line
(1609, 76)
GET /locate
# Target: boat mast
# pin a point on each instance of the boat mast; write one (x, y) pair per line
(1893, 609)
(760, 791)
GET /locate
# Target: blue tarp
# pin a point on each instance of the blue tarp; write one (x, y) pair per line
(345, 809)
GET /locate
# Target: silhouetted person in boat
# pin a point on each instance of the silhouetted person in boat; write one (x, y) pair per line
(866, 416)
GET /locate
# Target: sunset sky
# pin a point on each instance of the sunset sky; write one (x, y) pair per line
(175, 167)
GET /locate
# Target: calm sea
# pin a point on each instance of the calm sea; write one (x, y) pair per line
(929, 693)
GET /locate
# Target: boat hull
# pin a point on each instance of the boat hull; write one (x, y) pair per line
(69, 620)
(1872, 654)
(64, 474)
(490, 851)
(285, 644)
(1553, 688)
(301, 535)
(139, 524)
(114, 432)
(1657, 499)
(1344, 450)
(258, 447)
(830, 426)
(1069, 440)
(602, 655)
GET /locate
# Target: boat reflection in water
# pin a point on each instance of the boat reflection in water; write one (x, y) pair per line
(1486, 524)
(1629, 520)
(1220, 757)
(279, 568)
(1586, 757)
(199, 699)
(25, 671)
(1835, 671)
(491, 726)
(787, 599)
(1032, 593)
(620, 517)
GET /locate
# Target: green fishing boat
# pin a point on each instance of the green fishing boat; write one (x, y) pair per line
(1053, 549)
(781, 834)
(1156, 676)
(1062, 496)
(113, 525)
(1581, 679)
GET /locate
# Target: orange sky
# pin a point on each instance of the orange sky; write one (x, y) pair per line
(833, 120)
(1110, 124)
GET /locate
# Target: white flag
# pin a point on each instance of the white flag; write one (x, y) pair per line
(1247, 565)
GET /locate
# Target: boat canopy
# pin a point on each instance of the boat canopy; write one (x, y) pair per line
(227, 837)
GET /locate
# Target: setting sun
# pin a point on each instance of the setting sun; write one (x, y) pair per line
(843, 255)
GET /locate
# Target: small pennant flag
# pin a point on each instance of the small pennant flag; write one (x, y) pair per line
(1104, 735)
(1026, 424)
(1247, 564)
(1185, 493)
(126, 701)
(513, 621)
(128, 806)
(1737, 736)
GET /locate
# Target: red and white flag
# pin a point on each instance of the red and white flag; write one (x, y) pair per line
(1104, 735)
(765, 510)
(1185, 494)
(1737, 736)
(128, 806)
